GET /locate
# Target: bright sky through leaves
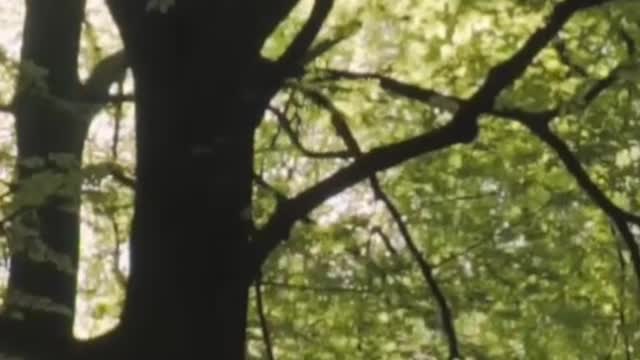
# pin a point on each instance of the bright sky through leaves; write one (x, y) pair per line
(529, 264)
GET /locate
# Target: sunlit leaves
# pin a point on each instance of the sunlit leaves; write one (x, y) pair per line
(529, 264)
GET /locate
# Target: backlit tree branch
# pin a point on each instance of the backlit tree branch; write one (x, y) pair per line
(462, 129)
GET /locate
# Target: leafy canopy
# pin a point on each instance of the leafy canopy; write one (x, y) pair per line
(505, 232)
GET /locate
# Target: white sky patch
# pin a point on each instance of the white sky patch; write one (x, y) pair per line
(12, 15)
(355, 201)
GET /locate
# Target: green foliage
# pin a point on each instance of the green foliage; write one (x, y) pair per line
(529, 265)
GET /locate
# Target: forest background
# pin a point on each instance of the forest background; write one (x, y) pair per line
(494, 213)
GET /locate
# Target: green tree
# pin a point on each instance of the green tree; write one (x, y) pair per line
(230, 97)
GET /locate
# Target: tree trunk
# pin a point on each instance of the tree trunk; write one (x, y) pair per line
(201, 88)
(196, 115)
(45, 131)
(51, 126)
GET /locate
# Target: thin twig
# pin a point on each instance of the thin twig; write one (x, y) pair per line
(266, 333)
(462, 129)
(119, 275)
(280, 196)
(119, 175)
(464, 252)
(117, 122)
(565, 58)
(385, 240)
(622, 295)
(538, 123)
(575, 168)
(341, 127)
(295, 139)
(324, 289)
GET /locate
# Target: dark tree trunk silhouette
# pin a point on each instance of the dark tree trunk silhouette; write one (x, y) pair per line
(200, 93)
(50, 42)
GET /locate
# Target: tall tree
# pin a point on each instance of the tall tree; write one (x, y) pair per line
(50, 138)
(201, 89)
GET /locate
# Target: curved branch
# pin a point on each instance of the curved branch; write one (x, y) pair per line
(285, 124)
(119, 175)
(409, 91)
(619, 216)
(426, 269)
(529, 119)
(260, 181)
(344, 132)
(621, 301)
(109, 70)
(538, 123)
(278, 227)
(386, 241)
(463, 128)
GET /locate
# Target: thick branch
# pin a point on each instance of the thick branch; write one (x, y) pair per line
(537, 122)
(127, 15)
(413, 92)
(119, 175)
(108, 71)
(260, 181)
(503, 75)
(279, 196)
(462, 129)
(270, 14)
(322, 48)
(295, 53)
(278, 227)
(619, 216)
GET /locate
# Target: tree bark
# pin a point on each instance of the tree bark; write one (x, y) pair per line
(201, 89)
(52, 120)
(43, 130)
(199, 95)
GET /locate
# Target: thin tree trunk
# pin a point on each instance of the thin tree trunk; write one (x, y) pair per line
(43, 129)
(44, 235)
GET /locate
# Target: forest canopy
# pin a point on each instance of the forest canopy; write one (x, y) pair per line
(519, 241)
